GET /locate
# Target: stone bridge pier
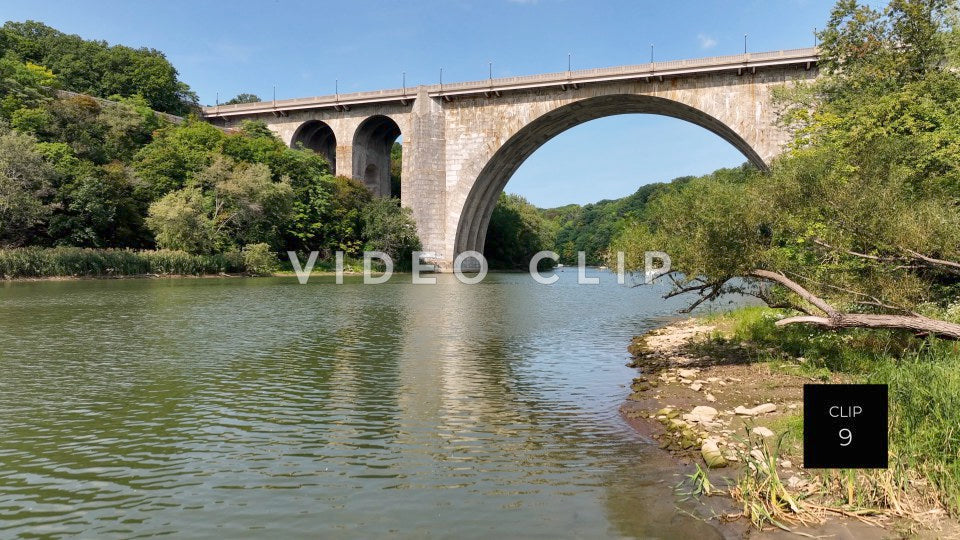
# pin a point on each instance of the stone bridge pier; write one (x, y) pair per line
(462, 142)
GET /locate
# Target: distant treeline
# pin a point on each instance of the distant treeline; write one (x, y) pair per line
(518, 229)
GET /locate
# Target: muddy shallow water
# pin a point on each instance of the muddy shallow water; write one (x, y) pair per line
(260, 407)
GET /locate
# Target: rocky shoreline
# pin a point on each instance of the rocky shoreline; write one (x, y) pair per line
(701, 403)
(710, 404)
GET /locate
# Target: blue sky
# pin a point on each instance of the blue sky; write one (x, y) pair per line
(302, 47)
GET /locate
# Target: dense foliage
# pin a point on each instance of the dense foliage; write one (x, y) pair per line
(96, 68)
(390, 228)
(78, 171)
(591, 228)
(396, 159)
(862, 211)
(516, 233)
(36, 262)
(243, 98)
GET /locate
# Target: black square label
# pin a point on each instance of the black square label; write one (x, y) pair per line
(845, 426)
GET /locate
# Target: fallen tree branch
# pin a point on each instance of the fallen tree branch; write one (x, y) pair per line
(857, 254)
(832, 318)
(763, 296)
(703, 298)
(835, 319)
(815, 301)
(916, 323)
(872, 300)
(950, 266)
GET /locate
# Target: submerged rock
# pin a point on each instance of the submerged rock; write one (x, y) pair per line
(689, 440)
(712, 456)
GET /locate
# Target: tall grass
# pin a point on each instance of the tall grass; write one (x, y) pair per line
(35, 262)
(924, 386)
(925, 416)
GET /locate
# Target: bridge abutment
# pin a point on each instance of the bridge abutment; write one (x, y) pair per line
(424, 176)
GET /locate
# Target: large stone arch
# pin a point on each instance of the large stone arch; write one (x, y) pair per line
(372, 143)
(480, 200)
(319, 137)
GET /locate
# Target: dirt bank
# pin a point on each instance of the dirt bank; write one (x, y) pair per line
(705, 401)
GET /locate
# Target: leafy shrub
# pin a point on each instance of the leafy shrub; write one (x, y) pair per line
(259, 259)
(390, 228)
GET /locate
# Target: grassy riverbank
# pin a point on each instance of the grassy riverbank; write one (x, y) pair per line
(72, 263)
(924, 386)
(32, 262)
(721, 362)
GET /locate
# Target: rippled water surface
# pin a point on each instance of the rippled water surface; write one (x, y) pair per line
(237, 408)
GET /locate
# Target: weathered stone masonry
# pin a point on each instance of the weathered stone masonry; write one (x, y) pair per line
(462, 142)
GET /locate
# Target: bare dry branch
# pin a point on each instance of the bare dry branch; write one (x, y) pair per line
(807, 296)
(950, 266)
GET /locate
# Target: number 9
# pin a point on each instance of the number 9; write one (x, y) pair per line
(847, 436)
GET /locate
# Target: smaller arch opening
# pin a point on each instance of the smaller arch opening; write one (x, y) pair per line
(373, 153)
(317, 136)
(370, 175)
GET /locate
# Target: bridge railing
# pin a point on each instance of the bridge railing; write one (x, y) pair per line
(718, 62)
(669, 67)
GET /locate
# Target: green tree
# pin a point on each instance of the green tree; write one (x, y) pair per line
(25, 188)
(179, 220)
(857, 225)
(396, 166)
(98, 208)
(342, 223)
(516, 233)
(390, 228)
(23, 85)
(176, 154)
(243, 98)
(229, 205)
(98, 69)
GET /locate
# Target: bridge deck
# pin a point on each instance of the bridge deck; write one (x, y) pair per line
(673, 68)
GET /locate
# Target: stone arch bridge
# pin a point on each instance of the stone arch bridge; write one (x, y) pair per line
(463, 141)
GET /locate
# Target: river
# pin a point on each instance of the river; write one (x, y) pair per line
(250, 408)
